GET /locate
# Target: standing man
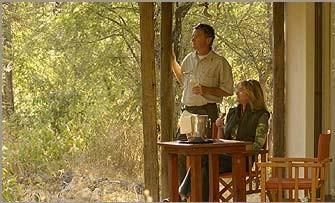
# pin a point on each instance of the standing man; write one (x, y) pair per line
(206, 78)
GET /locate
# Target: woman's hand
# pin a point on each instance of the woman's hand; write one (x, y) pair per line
(219, 122)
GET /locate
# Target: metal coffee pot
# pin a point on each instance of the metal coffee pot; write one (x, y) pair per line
(200, 125)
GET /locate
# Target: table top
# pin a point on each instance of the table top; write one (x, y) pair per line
(217, 145)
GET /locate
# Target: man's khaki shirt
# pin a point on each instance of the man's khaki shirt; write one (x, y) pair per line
(211, 71)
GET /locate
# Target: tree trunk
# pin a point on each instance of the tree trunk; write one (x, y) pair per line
(167, 93)
(151, 170)
(8, 90)
(180, 14)
(8, 95)
(181, 11)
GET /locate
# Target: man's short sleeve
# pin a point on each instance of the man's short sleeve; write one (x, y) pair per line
(226, 77)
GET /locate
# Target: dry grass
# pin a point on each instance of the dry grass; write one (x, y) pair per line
(86, 183)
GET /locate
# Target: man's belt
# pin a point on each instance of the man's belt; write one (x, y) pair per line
(208, 105)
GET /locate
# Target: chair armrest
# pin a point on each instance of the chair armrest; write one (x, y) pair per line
(252, 152)
(292, 159)
(288, 164)
(272, 164)
(327, 160)
(307, 164)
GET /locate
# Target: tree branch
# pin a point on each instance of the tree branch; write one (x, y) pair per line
(119, 24)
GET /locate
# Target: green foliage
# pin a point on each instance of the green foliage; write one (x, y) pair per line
(11, 189)
(77, 82)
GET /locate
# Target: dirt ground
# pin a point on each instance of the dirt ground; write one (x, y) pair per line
(91, 184)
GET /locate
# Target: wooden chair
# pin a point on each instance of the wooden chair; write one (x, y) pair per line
(296, 174)
(252, 175)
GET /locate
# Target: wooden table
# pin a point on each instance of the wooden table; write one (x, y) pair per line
(213, 150)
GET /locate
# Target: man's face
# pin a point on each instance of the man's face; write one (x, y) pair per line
(200, 40)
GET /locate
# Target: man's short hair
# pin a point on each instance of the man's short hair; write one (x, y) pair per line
(208, 30)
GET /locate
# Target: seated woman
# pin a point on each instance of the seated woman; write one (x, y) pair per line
(248, 121)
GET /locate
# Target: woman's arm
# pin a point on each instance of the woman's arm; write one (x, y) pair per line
(220, 125)
(261, 132)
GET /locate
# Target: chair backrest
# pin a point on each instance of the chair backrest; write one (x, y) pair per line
(323, 146)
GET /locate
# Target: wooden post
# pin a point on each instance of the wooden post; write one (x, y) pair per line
(151, 170)
(278, 80)
(167, 93)
(318, 75)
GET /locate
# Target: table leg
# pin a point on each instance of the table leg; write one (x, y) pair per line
(239, 192)
(213, 164)
(196, 178)
(173, 177)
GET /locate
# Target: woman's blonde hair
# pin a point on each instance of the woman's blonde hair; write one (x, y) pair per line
(255, 93)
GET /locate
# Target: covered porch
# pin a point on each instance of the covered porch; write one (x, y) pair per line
(303, 85)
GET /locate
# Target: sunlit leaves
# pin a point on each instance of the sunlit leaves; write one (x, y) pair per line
(76, 77)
